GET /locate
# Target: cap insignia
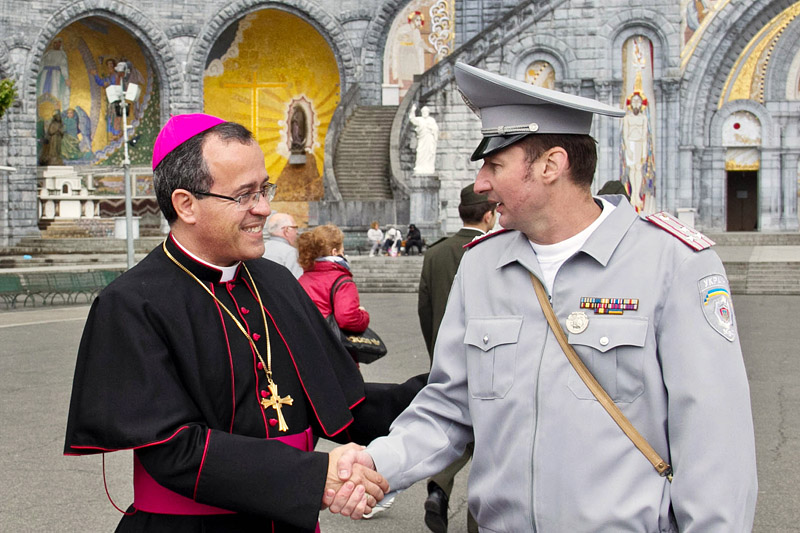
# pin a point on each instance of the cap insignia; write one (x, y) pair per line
(510, 130)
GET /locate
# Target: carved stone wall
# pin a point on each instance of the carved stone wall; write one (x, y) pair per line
(581, 39)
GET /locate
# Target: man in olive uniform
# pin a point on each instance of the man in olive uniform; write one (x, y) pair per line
(438, 270)
(442, 259)
(645, 304)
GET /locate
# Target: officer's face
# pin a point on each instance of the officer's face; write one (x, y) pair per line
(512, 181)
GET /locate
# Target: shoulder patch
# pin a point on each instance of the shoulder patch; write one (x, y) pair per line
(715, 300)
(478, 240)
(690, 236)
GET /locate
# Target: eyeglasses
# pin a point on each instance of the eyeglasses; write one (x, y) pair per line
(247, 201)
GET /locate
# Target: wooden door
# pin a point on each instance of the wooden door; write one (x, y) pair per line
(742, 200)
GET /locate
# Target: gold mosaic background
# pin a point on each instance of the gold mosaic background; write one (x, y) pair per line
(275, 62)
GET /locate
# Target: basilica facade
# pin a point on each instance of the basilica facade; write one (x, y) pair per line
(710, 88)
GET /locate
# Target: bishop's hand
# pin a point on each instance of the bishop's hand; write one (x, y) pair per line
(353, 486)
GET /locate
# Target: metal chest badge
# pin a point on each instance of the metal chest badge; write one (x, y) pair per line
(577, 322)
(715, 298)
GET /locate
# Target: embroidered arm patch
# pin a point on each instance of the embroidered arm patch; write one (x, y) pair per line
(715, 300)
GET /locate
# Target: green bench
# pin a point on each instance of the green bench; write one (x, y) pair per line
(10, 289)
(47, 287)
(40, 285)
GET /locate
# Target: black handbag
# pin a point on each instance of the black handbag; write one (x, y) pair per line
(365, 347)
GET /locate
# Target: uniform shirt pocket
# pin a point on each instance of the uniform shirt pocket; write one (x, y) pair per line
(612, 348)
(491, 347)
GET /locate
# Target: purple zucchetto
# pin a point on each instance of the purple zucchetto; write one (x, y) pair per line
(179, 129)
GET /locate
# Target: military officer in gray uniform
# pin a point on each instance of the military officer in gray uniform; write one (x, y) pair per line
(646, 306)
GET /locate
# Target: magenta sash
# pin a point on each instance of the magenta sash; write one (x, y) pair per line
(151, 497)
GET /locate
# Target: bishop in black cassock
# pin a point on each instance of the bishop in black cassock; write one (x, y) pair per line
(163, 369)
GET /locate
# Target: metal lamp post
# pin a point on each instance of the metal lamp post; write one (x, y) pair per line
(118, 93)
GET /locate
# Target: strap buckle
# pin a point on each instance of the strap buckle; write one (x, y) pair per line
(666, 472)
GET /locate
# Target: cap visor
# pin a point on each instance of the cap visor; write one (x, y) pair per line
(490, 145)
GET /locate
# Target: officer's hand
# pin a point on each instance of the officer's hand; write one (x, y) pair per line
(353, 486)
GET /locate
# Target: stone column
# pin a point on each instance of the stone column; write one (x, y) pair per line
(667, 170)
(4, 208)
(424, 205)
(684, 184)
(710, 178)
(769, 190)
(789, 177)
(604, 136)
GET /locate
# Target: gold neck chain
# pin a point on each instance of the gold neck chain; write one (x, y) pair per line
(275, 401)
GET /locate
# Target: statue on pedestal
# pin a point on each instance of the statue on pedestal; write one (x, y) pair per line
(427, 138)
(51, 154)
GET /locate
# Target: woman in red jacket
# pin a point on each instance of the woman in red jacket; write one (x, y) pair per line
(321, 256)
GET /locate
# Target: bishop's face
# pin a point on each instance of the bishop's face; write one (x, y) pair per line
(225, 233)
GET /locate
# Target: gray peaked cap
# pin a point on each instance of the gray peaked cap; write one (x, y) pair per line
(511, 110)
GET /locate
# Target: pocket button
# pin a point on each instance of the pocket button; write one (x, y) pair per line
(603, 341)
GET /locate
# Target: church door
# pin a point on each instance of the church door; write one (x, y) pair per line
(743, 200)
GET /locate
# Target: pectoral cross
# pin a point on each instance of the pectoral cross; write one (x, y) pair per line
(277, 403)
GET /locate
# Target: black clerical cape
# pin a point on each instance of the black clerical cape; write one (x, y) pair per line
(162, 369)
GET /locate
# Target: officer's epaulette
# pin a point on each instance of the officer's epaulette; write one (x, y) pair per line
(687, 234)
(476, 241)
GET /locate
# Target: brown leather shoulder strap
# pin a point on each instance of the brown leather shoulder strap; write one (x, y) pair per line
(661, 466)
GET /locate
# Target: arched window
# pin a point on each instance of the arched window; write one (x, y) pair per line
(541, 74)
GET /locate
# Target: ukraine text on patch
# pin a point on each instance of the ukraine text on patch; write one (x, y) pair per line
(715, 299)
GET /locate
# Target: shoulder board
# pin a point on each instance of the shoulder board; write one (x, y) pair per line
(476, 241)
(690, 236)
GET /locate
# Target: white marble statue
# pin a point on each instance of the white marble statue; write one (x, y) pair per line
(427, 137)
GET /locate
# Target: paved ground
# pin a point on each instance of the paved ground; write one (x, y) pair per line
(40, 490)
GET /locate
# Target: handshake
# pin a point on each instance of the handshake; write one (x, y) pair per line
(352, 487)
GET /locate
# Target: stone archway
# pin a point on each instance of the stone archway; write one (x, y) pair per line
(152, 38)
(23, 190)
(77, 68)
(540, 47)
(300, 78)
(328, 27)
(103, 36)
(374, 44)
(708, 95)
(709, 65)
(662, 33)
